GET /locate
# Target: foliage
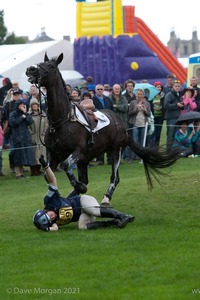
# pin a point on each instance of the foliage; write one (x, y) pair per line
(13, 39)
(3, 29)
(155, 257)
(6, 38)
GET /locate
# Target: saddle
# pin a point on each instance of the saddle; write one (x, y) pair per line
(87, 108)
(79, 114)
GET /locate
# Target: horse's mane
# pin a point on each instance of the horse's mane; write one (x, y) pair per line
(67, 95)
(54, 59)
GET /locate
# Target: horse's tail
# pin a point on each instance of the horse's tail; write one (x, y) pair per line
(154, 159)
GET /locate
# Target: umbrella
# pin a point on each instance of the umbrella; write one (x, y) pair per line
(149, 89)
(188, 117)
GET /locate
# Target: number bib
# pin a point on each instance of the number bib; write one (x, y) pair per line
(65, 215)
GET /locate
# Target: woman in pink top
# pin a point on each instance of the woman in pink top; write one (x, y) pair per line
(188, 100)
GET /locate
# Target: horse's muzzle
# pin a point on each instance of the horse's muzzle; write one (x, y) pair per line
(32, 74)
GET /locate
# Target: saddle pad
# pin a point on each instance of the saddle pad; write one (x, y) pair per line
(103, 120)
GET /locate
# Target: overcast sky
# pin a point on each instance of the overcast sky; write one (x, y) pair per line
(26, 18)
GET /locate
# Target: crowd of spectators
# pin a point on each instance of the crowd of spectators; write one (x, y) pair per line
(22, 113)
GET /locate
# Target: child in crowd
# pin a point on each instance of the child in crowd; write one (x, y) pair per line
(188, 100)
(185, 137)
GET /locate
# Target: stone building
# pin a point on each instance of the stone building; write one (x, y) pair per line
(42, 37)
(184, 48)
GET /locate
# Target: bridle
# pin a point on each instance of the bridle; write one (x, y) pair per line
(53, 125)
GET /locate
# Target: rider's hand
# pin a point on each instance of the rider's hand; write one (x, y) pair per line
(43, 161)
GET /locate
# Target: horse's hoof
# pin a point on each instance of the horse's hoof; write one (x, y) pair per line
(81, 188)
(105, 202)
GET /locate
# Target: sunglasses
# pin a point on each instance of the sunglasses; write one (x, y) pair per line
(177, 81)
(99, 89)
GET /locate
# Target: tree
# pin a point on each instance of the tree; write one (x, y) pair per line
(6, 38)
(13, 39)
(3, 29)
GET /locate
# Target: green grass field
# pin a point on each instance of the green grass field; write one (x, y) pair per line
(156, 257)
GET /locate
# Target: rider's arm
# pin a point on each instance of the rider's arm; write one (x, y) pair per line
(49, 175)
(51, 178)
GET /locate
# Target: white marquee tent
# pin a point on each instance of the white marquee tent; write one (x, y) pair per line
(14, 59)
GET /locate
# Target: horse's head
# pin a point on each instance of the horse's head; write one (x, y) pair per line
(44, 73)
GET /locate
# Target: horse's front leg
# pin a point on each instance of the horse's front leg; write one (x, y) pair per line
(53, 162)
(82, 169)
(114, 179)
(79, 187)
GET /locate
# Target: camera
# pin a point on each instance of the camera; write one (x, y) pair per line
(182, 104)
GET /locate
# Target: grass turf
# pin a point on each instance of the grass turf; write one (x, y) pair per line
(155, 257)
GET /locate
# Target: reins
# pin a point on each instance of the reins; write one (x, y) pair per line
(52, 125)
(40, 103)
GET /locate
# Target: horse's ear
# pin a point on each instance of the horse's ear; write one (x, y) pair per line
(46, 57)
(59, 59)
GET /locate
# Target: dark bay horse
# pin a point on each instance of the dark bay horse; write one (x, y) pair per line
(67, 139)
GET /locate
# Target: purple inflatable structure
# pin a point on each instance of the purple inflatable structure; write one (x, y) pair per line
(109, 59)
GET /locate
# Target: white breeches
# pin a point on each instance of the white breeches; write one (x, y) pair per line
(90, 210)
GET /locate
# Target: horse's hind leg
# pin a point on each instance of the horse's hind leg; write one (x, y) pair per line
(114, 179)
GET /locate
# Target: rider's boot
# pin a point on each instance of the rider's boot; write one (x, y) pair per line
(123, 219)
(91, 141)
(102, 224)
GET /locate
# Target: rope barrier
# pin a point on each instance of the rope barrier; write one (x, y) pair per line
(39, 145)
(156, 125)
(20, 148)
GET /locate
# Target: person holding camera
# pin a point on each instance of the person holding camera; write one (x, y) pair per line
(173, 105)
(139, 112)
(186, 138)
(82, 209)
(188, 100)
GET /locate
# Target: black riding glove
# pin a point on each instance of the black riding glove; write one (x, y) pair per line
(43, 162)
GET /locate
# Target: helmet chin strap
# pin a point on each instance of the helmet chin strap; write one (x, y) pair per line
(49, 218)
